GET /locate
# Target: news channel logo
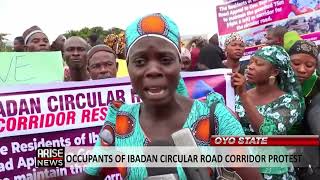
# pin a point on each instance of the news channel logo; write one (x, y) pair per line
(50, 157)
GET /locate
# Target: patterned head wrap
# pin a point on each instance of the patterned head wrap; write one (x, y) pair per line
(156, 25)
(111, 41)
(277, 56)
(29, 32)
(121, 43)
(97, 48)
(233, 37)
(304, 47)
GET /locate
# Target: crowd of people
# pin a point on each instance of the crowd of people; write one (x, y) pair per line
(275, 89)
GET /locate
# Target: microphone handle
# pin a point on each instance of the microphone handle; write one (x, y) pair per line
(163, 177)
(196, 174)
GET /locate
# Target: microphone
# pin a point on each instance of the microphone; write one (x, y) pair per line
(160, 173)
(184, 137)
(107, 138)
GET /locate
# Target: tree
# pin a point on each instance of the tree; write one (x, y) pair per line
(2, 38)
(86, 32)
(3, 46)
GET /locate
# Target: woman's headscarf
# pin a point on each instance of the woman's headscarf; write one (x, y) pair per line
(310, 48)
(121, 44)
(111, 41)
(304, 47)
(277, 56)
(233, 37)
(155, 25)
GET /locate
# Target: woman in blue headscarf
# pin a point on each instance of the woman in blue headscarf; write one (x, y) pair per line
(153, 58)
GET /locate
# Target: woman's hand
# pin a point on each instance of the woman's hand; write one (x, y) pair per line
(238, 81)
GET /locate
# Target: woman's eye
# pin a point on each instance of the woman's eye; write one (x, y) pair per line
(310, 65)
(166, 60)
(139, 62)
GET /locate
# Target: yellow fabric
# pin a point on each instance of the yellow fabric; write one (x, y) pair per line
(122, 68)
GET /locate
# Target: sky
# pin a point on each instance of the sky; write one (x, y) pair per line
(56, 17)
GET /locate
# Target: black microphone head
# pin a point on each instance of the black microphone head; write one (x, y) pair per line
(168, 142)
(155, 171)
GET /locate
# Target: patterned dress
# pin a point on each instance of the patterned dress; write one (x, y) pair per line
(279, 117)
(124, 120)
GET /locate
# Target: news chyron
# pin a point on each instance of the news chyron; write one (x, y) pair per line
(50, 157)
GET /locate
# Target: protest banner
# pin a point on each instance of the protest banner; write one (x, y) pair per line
(30, 68)
(252, 18)
(71, 114)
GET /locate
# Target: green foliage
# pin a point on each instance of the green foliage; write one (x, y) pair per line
(3, 46)
(86, 32)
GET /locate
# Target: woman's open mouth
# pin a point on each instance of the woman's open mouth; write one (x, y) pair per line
(155, 91)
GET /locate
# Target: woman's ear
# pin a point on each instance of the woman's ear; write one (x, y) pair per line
(275, 72)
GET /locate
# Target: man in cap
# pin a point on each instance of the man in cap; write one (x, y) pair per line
(35, 40)
(102, 62)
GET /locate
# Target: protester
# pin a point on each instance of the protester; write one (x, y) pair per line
(185, 59)
(35, 40)
(18, 44)
(57, 45)
(303, 56)
(234, 50)
(195, 52)
(274, 106)
(102, 63)
(211, 56)
(93, 40)
(194, 46)
(275, 35)
(154, 69)
(74, 53)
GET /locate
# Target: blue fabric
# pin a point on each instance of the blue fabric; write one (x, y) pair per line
(304, 3)
(226, 121)
(201, 89)
(153, 24)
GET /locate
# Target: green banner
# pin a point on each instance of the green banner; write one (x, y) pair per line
(30, 67)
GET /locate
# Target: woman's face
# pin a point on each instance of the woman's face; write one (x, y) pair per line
(303, 65)
(259, 71)
(235, 49)
(154, 67)
(185, 63)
